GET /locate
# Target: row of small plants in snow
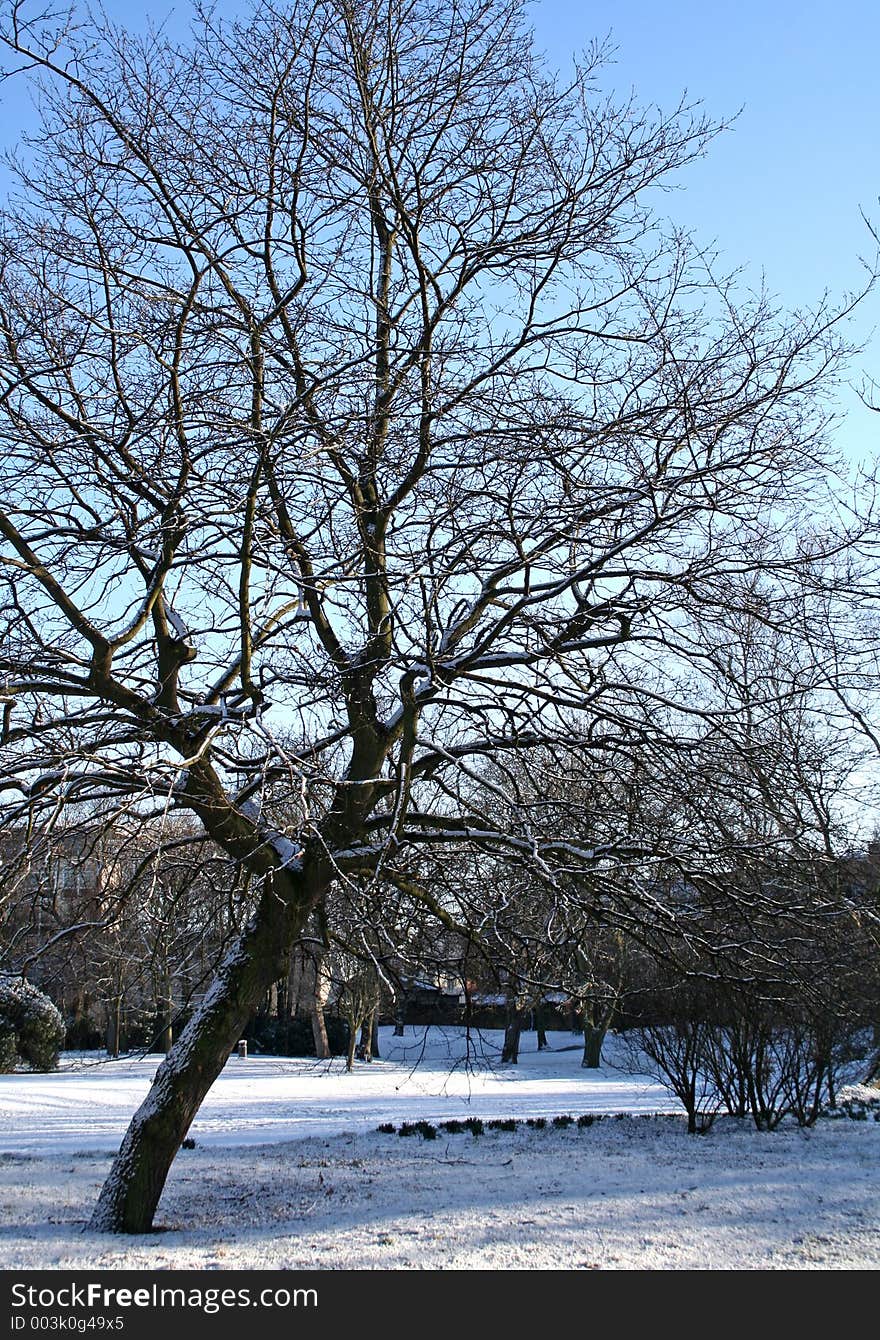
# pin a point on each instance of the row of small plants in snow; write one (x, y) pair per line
(476, 1126)
(853, 1110)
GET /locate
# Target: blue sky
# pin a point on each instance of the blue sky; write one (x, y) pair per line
(783, 187)
(779, 193)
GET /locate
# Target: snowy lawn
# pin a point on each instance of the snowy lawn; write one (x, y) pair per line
(288, 1170)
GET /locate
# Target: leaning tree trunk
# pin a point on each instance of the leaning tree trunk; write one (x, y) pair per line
(130, 1195)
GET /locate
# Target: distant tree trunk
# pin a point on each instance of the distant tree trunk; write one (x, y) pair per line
(399, 1015)
(164, 999)
(352, 1046)
(305, 994)
(368, 1047)
(317, 996)
(282, 998)
(540, 1028)
(597, 1017)
(295, 984)
(114, 1026)
(164, 1039)
(593, 1039)
(319, 1031)
(512, 1030)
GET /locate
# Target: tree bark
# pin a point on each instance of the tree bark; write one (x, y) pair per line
(114, 1028)
(131, 1193)
(594, 1036)
(512, 1031)
(319, 1030)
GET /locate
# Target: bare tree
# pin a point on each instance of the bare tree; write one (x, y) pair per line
(360, 424)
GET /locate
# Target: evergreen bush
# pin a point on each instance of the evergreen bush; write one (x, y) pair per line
(30, 1024)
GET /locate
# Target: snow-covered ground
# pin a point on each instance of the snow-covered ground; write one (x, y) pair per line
(428, 1074)
(289, 1171)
